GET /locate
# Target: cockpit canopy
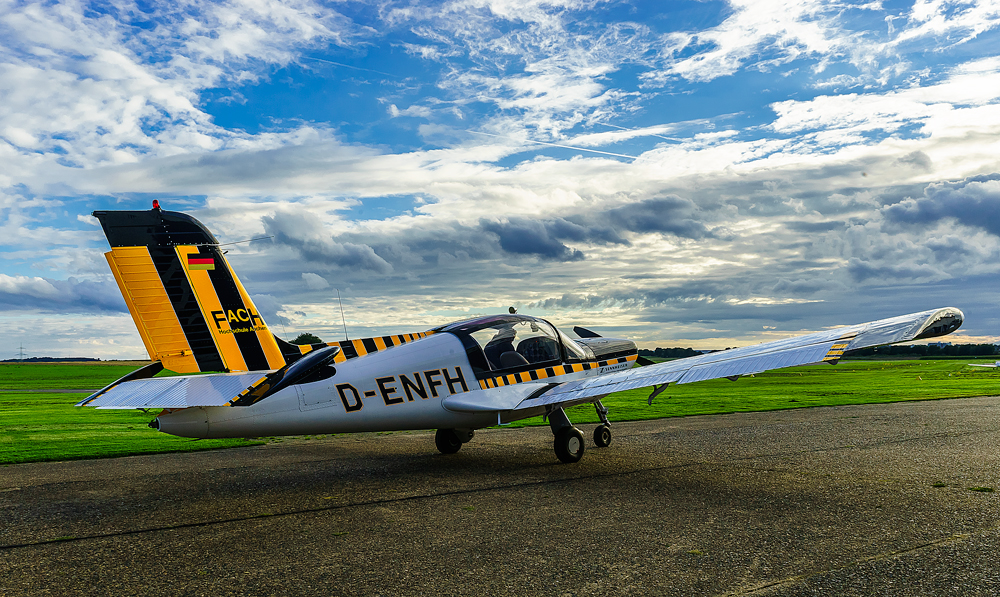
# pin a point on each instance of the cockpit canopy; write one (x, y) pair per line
(513, 342)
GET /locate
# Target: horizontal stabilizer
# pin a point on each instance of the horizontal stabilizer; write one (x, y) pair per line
(142, 373)
(176, 392)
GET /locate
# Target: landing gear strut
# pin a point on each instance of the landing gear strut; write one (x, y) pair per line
(568, 441)
(449, 441)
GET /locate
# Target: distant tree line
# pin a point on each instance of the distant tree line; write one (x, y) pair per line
(669, 353)
(896, 350)
(306, 338)
(924, 350)
(49, 360)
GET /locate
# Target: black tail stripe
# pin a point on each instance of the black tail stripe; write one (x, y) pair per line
(229, 296)
(182, 299)
(369, 344)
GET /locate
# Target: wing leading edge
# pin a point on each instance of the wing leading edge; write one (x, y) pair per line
(826, 346)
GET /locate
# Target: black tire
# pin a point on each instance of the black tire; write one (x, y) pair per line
(447, 441)
(602, 436)
(569, 445)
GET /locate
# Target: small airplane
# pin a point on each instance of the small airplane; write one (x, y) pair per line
(195, 316)
(994, 364)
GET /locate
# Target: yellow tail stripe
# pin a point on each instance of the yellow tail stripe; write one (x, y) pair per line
(150, 307)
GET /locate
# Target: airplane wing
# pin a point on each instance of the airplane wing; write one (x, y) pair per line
(827, 346)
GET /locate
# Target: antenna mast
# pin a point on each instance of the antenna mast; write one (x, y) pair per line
(342, 318)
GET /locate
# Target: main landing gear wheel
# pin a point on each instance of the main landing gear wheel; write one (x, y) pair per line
(602, 436)
(447, 441)
(569, 445)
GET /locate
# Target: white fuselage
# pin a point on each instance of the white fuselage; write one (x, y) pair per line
(400, 388)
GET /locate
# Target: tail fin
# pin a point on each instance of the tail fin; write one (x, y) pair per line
(190, 308)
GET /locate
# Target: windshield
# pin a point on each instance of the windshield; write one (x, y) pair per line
(509, 344)
(576, 352)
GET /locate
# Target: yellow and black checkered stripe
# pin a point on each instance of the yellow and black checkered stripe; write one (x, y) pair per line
(548, 372)
(352, 349)
(252, 394)
(836, 351)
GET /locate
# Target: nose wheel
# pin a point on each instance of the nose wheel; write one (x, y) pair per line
(449, 441)
(602, 436)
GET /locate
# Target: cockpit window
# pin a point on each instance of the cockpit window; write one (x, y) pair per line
(510, 344)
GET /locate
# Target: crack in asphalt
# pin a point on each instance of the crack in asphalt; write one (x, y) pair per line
(792, 580)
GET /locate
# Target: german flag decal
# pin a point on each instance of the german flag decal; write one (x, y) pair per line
(202, 261)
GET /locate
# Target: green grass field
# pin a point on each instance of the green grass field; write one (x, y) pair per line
(850, 382)
(46, 426)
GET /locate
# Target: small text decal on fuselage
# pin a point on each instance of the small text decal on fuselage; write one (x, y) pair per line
(618, 367)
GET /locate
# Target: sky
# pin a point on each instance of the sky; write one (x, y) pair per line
(697, 174)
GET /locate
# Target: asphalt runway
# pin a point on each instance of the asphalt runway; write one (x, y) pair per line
(863, 500)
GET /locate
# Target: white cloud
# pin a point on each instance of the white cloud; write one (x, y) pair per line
(315, 281)
(19, 293)
(769, 33)
(941, 18)
(84, 91)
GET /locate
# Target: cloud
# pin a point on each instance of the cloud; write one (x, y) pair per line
(84, 88)
(528, 237)
(315, 281)
(668, 214)
(23, 293)
(307, 236)
(766, 198)
(974, 202)
(268, 306)
(862, 271)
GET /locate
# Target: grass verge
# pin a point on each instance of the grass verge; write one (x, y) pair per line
(46, 426)
(850, 382)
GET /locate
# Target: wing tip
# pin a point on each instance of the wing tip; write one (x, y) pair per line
(941, 323)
